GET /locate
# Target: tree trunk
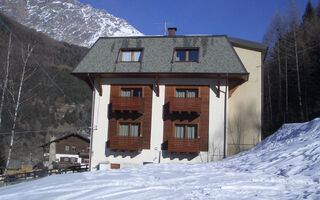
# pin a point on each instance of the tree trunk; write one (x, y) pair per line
(298, 74)
(286, 76)
(280, 84)
(269, 94)
(16, 110)
(5, 84)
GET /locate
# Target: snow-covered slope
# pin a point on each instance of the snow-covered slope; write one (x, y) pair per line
(67, 20)
(284, 166)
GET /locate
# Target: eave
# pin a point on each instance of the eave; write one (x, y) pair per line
(241, 77)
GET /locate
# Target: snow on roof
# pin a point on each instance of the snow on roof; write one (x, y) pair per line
(285, 165)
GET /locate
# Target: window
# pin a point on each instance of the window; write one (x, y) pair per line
(187, 93)
(130, 55)
(131, 92)
(73, 160)
(185, 131)
(67, 148)
(129, 129)
(74, 148)
(186, 55)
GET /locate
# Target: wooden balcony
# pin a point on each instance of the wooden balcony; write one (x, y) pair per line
(125, 143)
(127, 104)
(184, 105)
(183, 145)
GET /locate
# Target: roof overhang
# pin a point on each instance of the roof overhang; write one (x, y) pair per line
(255, 46)
(239, 78)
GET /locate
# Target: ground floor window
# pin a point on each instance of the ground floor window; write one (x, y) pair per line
(129, 129)
(185, 131)
(68, 159)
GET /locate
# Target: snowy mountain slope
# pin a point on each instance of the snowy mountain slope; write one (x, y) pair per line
(67, 20)
(284, 166)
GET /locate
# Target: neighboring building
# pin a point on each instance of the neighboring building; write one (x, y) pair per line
(67, 150)
(172, 98)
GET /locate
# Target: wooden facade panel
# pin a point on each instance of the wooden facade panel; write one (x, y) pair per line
(184, 105)
(125, 143)
(115, 166)
(200, 118)
(79, 144)
(183, 145)
(127, 104)
(204, 119)
(144, 118)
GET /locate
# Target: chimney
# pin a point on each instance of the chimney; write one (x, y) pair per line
(172, 31)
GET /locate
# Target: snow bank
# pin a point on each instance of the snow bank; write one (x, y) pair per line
(286, 165)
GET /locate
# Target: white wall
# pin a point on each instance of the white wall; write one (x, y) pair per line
(100, 126)
(217, 123)
(58, 156)
(244, 114)
(216, 126)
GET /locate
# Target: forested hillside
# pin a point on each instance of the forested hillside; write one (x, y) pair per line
(52, 101)
(292, 68)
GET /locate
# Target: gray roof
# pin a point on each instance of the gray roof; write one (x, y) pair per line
(216, 55)
(248, 44)
(66, 136)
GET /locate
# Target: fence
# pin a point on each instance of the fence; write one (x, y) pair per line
(20, 177)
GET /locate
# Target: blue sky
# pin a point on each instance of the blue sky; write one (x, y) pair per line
(246, 19)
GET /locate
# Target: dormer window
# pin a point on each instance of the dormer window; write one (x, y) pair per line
(186, 55)
(134, 55)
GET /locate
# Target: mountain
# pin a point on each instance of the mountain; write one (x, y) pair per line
(55, 102)
(67, 20)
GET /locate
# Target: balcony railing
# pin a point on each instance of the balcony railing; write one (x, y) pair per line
(125, 143)
(183, 145)
(127, 104)
(184, 104)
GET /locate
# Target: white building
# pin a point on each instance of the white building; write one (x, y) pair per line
(172, 98)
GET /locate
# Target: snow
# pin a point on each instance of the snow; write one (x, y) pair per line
(285, 165)
(60, 19)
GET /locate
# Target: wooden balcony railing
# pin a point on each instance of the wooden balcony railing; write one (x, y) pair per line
(125, 143)
(183, 145)
(184, 104)
(127, 104)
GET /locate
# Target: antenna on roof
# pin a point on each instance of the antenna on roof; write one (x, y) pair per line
(165, 25)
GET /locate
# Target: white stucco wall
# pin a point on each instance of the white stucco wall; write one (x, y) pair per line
(58, 156)
(244, 114)
(216, 126)
(217, 123)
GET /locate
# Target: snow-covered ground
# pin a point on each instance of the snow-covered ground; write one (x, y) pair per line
(284, 166)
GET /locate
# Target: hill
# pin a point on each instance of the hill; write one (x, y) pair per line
(285, 165)
(55, 100)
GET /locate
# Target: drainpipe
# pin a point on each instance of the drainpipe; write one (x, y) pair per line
(92, 121)
(225, 119)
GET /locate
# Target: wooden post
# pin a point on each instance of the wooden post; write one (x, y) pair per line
(218, 94)
(157, 86)
(100, 86)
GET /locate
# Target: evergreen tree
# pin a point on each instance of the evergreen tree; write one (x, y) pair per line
(309, 13)
(294, 62)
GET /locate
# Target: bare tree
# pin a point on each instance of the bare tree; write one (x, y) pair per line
(6, 75)
(25, 54)
(294, 29)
